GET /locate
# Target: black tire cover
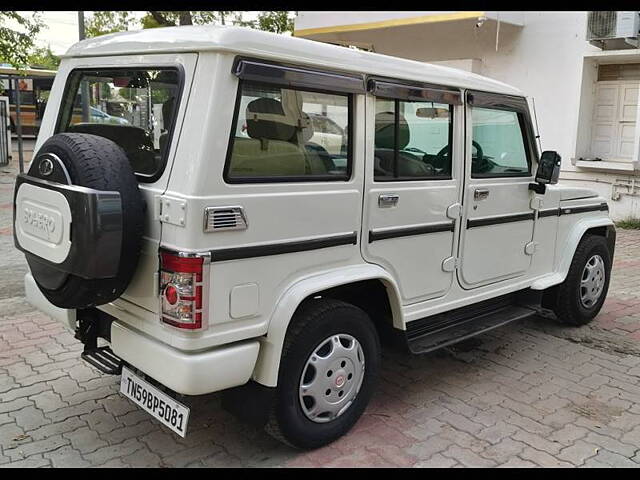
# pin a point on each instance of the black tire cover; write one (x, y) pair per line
(98, 163)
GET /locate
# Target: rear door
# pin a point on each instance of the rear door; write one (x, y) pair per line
(140, 103)
(412, 186)
(497, 218)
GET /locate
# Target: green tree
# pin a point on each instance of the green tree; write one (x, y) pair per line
(17, 40)
(101, 23)
(44, 58)
(278, 21)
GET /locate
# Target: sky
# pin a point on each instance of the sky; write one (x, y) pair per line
(62, 29)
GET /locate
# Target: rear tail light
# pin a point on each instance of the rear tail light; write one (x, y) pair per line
(182, 278)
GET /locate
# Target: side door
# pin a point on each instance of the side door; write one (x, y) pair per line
(498, 218)
(412, 185)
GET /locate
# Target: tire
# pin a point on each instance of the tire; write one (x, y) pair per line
(98, 163)
(570, 302)
(315, 322)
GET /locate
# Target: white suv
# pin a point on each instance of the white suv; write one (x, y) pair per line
(209, 243)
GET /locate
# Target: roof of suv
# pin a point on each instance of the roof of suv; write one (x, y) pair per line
(250, 42)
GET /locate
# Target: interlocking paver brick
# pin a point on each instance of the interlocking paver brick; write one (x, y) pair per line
(104, 454)
(40, 446)
(503, 451)
(66, 457)
(85, 440)
(532, 393)
(437, 461)
(467, 457)
(67, 425)
(578, 452)
(31, 462)
(29, 418)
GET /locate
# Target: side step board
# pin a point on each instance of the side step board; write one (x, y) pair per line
(103, 359)
(438, 331)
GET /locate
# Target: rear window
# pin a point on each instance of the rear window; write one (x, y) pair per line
(135, 108)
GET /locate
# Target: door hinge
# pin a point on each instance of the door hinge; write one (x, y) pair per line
(536, 203)
(454, 211)
(449, 264)
(171, 210)
(530, 248)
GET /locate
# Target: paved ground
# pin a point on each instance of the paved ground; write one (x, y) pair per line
(529, 394)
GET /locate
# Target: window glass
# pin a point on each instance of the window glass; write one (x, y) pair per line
(421, 148)
(498, 147)
(281, 133)
(135, 108)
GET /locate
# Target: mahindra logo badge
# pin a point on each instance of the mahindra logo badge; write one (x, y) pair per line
(45, 167)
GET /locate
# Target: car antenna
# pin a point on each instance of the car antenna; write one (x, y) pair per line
(535, 116)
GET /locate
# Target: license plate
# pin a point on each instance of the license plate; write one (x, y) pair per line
(160, 405)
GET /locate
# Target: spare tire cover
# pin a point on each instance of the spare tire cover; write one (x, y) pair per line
(98, 163)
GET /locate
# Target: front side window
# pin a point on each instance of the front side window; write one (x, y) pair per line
(412, 140)
(135, 108)
(284, 134)
(498, 147)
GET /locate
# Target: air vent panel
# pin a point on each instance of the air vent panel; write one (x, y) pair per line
(224, 218)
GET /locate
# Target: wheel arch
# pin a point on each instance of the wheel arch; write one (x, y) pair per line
(346, 284)
(602, 226)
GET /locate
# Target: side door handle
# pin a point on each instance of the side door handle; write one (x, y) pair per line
(480, 194)
(388, 200)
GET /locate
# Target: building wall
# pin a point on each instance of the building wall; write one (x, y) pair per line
(544, 58)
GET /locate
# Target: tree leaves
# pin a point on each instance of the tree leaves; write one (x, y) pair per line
(102, 23)
(17, 35)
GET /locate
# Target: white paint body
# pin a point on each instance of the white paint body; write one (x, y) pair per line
(251, 301)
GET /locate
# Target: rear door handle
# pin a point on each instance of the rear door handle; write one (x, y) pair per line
(480, 194)
(387, 200)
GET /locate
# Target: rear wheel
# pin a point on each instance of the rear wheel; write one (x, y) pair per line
(580, 297)
(328, 370)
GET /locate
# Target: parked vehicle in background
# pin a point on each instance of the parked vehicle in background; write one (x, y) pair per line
(224, 239)
(98, 116)
(34, 86)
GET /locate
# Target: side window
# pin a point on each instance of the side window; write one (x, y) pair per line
(412, 140)
(498, 148)
(285, 134)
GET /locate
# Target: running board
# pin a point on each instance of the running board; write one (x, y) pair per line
(103, 359)
(438, 331)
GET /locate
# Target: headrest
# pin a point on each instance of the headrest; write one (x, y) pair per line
(385, 131)
(307, 128)
(266, 119)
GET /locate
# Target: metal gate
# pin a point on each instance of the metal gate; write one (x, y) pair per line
(4, 131)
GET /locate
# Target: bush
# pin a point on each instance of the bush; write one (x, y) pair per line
(629, 223)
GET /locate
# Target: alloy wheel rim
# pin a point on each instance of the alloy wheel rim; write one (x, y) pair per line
(592, 281)
(331, 378)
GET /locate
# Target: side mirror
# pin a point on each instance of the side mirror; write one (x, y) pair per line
(548, 168)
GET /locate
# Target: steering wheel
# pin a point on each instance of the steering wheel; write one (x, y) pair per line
(478, 160)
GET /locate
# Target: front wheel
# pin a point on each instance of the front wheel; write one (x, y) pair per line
(328, 370)
(580, 297)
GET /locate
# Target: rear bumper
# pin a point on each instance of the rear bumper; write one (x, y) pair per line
(186, 373)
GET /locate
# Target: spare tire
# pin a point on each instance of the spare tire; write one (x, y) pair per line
(101, 165)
